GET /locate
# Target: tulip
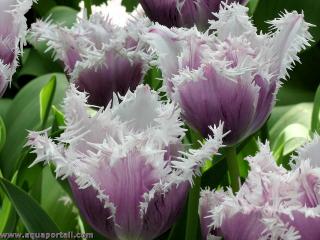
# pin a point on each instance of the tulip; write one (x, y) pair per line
(126, 170)
(273, 203)
(187, 13)
(230, 73)
(100, 57)
(13, 29)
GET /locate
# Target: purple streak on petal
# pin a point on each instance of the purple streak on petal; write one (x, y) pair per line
(7, 28)
(267, 95)
(164, 210)
(118, 75)
(310, 189)
(165, 12)
(7, 53)
(308, 227)
(207, 102)
(243, 226)
(92, 209)
(192, 12)
(204, 214)
(125, 183)
(172, 151)
(72, 56)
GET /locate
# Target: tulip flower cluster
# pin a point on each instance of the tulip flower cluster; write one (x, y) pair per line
(122, 147)
(273, 203)
(13, 29)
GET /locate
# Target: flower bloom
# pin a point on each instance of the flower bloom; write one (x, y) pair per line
(231, 73)
(273, 203)
(99, 56)
(187, 13)
(124, 164)
(13, 28)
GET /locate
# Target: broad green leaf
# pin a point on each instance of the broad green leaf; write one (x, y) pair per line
(289, 128)
(252, 5)
(289, 95)
(31, 214)
(4, 106)
(63, 15)
(315, 122)
(192, 223)
(7, 216)
(130, 4)
(23, 115)
(46, 97)
(153, 78)
(36, 62)
(58, 121)
(3, 134)
(43, 6)
(269, 9)
(57, 203)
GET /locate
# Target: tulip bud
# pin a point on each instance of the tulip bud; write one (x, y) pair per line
(13, 29)
(273, 203)
(231, 73)
(183, 13)
(127, 175)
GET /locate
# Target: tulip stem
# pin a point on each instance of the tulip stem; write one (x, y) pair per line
(87, 6)
(233, 168)
(192, 214)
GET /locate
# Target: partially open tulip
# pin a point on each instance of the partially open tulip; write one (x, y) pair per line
(125, 166)
(13, 29)
(273, 203)
(186, 13)
(100, 57)
(231, 73)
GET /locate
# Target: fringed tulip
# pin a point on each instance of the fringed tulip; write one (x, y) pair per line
(230, 73)
(124, 164)
(187, 13)
(100, 57)
(13, 29)
(273, 203)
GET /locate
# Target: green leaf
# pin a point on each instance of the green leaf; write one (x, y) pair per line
(4, 106)
(315, 122)
(130, 4)
(35, 62)
(2, 133)
(63, 15)
(43, 6)
(46, 98)
(31, 214)
(252, 5)
(289, 128)
(58, 121)
(5, 211)
(153, 78)
(269, 9)
(192, 224)
(23, 115)
(57, 203)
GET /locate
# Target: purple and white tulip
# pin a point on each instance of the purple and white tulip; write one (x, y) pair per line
(127, 173)
(13, 28)
(273, 203)
(101, 58)
(183, 13)
(230, 73)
